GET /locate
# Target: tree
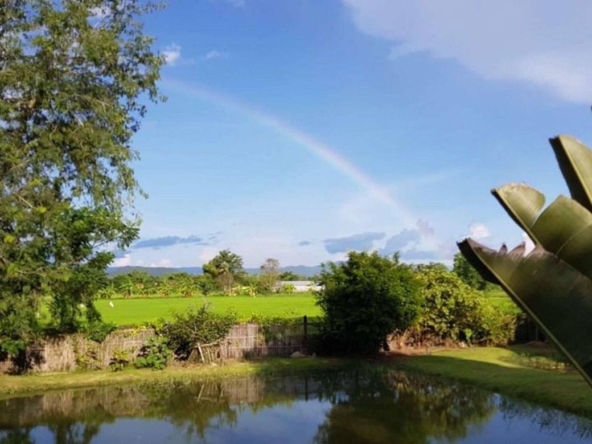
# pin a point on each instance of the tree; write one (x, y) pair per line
(225, 269)
(72, 82)
(366, 298)
(269, 276)
(291, 276)
(467, 273)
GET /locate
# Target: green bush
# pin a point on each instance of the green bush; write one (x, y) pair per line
(98, 331)
(363, 300)
(155, 354)
(195, 326)
(120, 359)
(452, 310)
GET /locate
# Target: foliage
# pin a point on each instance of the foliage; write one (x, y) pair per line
(287, 289)
(120, 359)
(269, 276)
(98, 331)
(553, 282)
(226, 268)
(450, 309)
(366, 298)
(467, 273)
(89, 360)
(155, 354)
(291, 276)
(195, 326)
(72, 86)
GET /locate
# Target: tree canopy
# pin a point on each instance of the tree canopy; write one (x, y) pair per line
(225, 268)
(73, 75)
(366, 298)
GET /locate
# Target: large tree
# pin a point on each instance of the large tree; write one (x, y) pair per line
(269, 275)
(225, 268)
(366, 298)
(72, 77)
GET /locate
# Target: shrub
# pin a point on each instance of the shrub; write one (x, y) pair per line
(451, 309)
(121, 359)
(98, 331)
(195, 326)
(364, 299)
(155, 354)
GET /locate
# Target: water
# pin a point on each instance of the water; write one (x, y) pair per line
(366, 405)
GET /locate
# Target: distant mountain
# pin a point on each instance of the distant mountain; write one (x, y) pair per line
(301, 270)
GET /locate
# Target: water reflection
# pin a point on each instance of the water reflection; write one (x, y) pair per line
(365, 405)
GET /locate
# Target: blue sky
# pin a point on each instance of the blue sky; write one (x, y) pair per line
(301, 129)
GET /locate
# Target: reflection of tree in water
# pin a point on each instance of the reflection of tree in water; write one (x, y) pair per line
(552, 421)
(75, 416)
(370, 404)
(16, 436)
(375, 406)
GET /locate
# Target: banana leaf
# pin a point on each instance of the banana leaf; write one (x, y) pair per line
(553, 283)
(553, 293)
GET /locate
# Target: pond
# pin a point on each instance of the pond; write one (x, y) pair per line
(362, 405)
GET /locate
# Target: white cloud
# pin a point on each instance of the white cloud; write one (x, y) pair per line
(124, 261)
(479, 231)
(100, 12)
(539, 42)
(162, 263)
(172, 54)
(215, 55)
(529, 244)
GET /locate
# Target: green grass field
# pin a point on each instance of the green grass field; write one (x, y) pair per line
(140, 311)
(499, 299)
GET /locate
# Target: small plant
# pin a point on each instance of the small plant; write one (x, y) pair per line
(155, 354)
(195, 326)
(98, 331)
(287, 289)
(121, 359)
(89, 359)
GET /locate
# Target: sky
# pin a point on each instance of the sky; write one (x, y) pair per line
(300, 130)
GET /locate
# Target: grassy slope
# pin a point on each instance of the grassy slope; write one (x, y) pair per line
(497, 369)
(38, 383)
(139, 311)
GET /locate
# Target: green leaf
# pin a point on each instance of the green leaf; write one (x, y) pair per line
(522, 203)
(556, 295)
(575, 162)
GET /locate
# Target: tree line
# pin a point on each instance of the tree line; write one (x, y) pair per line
(224, 274)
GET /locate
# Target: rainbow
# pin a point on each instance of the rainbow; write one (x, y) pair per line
(323, 152)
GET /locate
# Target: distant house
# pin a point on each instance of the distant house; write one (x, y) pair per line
(299, 286)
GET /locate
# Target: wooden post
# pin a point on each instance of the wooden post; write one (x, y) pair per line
(305, 335)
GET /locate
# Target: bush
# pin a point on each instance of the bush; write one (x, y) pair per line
(121, 359)
(452, 310)
(365, 299)
(155, 354)
(98, 331)
(195, 326)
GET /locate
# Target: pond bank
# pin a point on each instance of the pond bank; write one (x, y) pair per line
(494, 369)
(500, 370)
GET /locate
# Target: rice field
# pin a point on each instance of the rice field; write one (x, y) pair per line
(138, 311)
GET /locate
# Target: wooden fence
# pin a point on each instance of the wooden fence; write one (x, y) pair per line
(244, 341)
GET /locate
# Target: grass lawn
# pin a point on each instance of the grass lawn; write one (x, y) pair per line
(500, 370)
(138, 311)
